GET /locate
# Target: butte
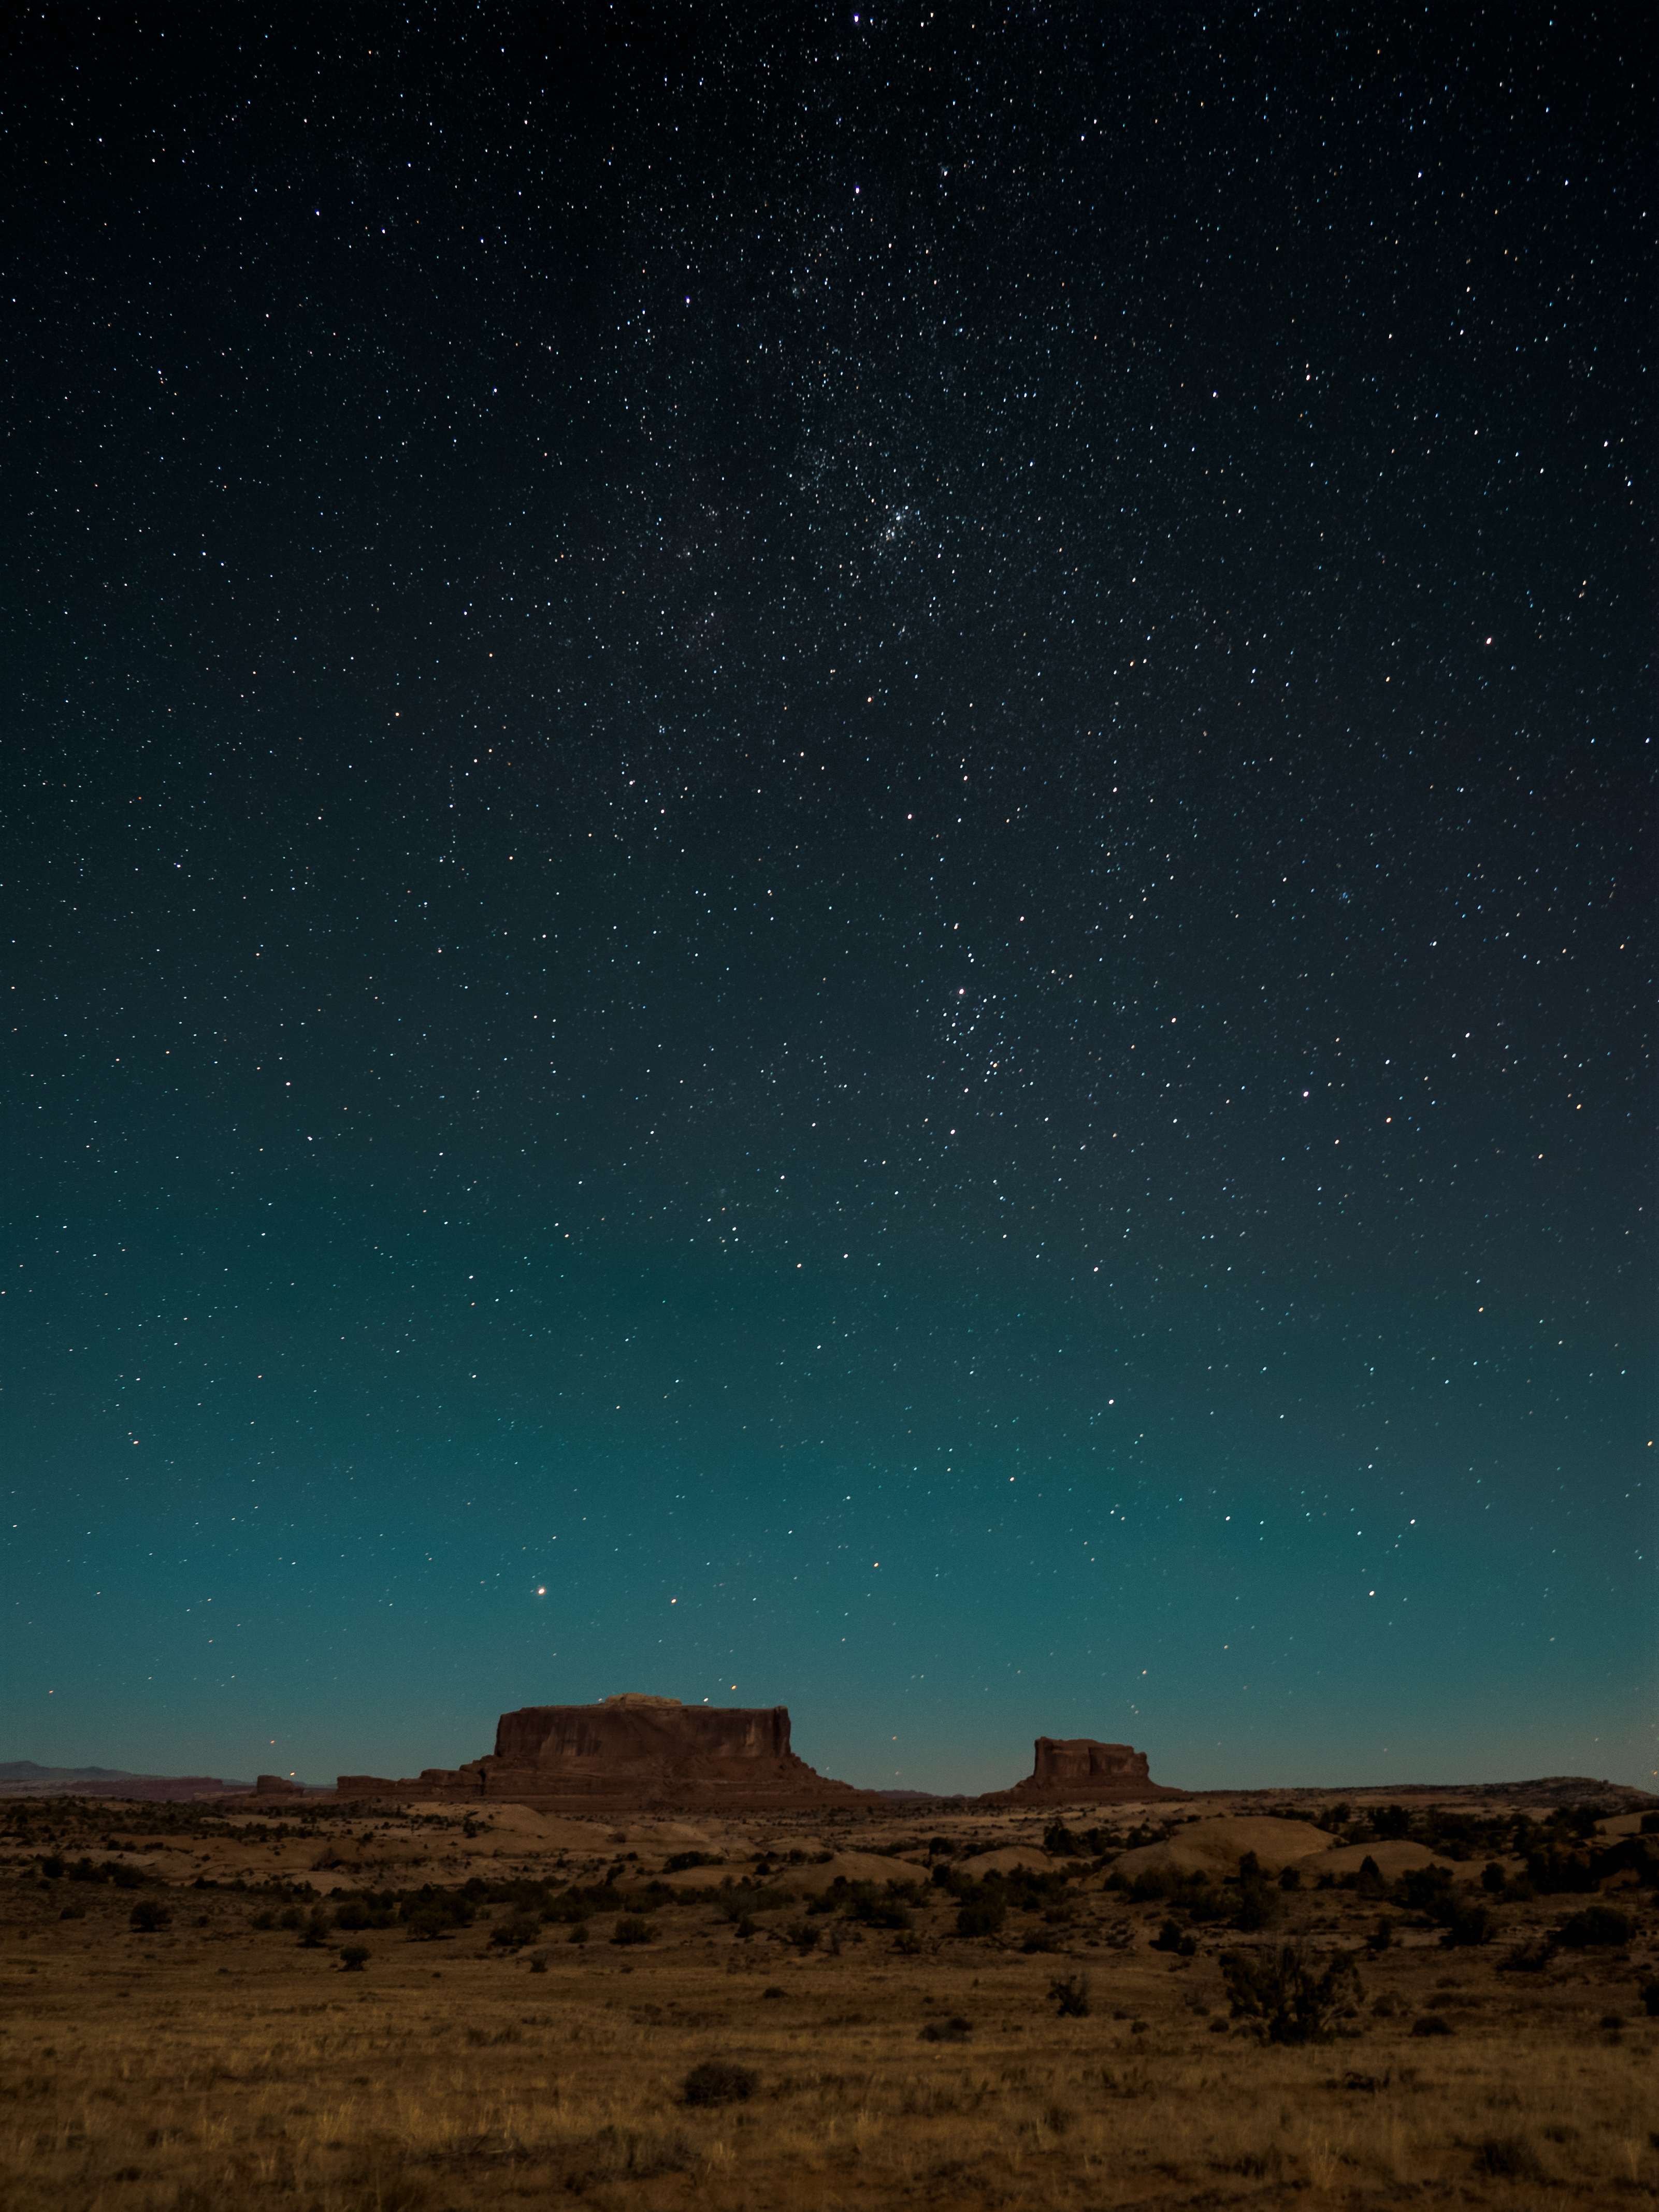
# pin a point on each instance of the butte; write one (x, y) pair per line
(1077, 1771)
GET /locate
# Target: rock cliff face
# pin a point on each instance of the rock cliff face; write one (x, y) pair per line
(629, 1752)
(1077, 1771)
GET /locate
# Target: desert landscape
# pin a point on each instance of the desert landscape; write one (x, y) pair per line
(383, 2004)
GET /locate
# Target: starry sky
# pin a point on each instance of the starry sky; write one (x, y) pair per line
(825, 885)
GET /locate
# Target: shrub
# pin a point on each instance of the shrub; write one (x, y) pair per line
(1597, 1924)
(1469, 1923)
(1430, 2023)
(1369, 1880)
(431, 1914)
(682, 1861)
(1427, 1890)
(1556, 1873)
(802, 1935)
(954, 2030)
(1509, 2158)
(313, 1932)
(1070, 1997)
(76, 1911)
(1650, 1996)
(354, 1957)
(1494, 1880)
(1528, 1958)
(1282, 1989)
(632, 1929)
(1381, 1937)
(538, 1963)
(980, 1916)
(581, 1904)
(1190, 1893)
(1257, 1900)
(352, 1915)
(718, 2081)
(875, 1909)
(512, 1935)
(578, 1933)
(1168, 1937)
(1201, 1902)
(148, 1915)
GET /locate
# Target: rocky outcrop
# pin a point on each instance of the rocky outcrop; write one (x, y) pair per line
(277, 1785)
(1077, 1771)
(627, 1752)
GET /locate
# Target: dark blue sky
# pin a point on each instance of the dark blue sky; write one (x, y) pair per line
(826, 885)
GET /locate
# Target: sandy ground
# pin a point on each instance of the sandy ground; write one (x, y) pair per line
(214, 2063)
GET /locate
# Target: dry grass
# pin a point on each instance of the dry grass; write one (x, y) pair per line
(214, 2067)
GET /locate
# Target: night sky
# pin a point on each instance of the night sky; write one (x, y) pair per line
(825, 885)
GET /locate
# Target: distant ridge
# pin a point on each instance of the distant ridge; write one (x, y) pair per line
(1545, 1790)
(23, 1777)
(25, 1770)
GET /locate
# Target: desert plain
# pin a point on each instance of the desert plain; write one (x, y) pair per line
(384, 2007)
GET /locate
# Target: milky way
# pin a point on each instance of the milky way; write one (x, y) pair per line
(824, 884)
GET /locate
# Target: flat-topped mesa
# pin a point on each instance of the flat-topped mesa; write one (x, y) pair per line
(584, 1746)
(629, 1750)
(1077, 1771)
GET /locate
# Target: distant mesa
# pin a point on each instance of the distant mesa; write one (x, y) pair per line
(1077, 1771)
(627, 1752)
(278, 1785)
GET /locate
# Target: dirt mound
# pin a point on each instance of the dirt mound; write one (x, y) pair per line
(1393, 1858)
(1216, 1846)
(1008, 1858)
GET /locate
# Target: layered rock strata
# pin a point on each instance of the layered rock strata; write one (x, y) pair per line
(1077, 1771)
(629, 1753)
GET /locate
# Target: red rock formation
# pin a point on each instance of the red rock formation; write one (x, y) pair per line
(625, 1753)
(1077, 1771)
